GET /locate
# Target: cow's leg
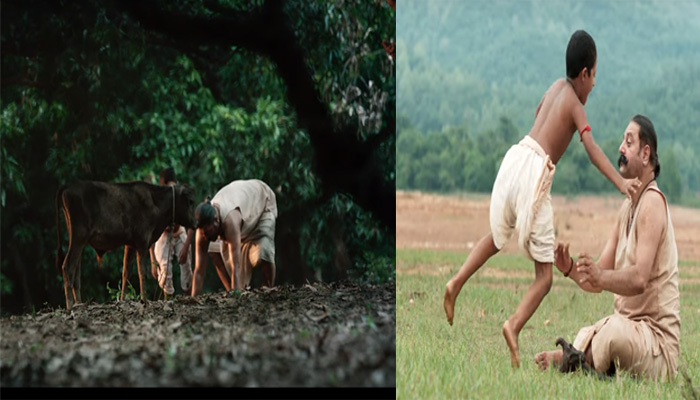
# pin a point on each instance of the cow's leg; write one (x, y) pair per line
(141, 258)
(71, 270)
(67, 288)
(76, 287)
(128, 258)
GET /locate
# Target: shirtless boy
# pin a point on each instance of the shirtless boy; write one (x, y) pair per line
(521, 193)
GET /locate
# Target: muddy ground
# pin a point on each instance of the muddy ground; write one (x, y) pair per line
(339, 334)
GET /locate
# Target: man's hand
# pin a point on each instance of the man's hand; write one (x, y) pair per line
(589, 272)
(562, 259)
(182, 259)
(630, 186)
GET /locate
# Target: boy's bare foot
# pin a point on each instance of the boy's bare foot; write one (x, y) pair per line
(449, 303)
(512, 341)
(545, 358)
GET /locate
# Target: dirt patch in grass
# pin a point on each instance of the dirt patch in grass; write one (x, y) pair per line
(459, 222)
(426, 269)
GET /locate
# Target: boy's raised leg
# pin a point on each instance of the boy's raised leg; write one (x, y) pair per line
(482, 252)
(533, 297)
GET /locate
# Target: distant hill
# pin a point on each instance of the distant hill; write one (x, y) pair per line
(469, 63)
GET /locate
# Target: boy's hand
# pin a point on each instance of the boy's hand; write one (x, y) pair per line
(562, 259)
(630, 186)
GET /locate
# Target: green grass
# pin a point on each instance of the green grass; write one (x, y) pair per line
(471, 360)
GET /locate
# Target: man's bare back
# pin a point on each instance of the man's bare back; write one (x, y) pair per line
(554, 122)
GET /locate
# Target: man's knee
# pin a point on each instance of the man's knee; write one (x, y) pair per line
(619, 343)
(614, 340)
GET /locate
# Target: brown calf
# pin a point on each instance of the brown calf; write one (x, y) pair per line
(110, 215)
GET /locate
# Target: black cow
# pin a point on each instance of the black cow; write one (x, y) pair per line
(110, 215)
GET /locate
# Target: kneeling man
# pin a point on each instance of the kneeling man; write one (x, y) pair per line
(237, 229)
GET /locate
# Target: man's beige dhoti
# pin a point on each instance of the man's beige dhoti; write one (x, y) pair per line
(629, 344)
(258, 245)
(644, 333)
(521, 200)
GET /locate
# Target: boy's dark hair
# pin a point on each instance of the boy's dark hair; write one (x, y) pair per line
(167, 175)
(580, 53)
(647, 135)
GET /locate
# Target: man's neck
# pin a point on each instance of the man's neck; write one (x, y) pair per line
(646, 179)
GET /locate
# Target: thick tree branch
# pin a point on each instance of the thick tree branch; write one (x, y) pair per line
(343, 163)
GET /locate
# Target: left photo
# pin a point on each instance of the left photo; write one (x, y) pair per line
(198, 194)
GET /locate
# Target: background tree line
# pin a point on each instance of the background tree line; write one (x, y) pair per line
(113, 91)
(471, 76)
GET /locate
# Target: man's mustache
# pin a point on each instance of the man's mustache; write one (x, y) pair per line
(622, 160)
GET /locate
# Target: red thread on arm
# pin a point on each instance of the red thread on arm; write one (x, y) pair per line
(587, 128)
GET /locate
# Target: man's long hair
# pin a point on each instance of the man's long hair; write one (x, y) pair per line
(647, 136)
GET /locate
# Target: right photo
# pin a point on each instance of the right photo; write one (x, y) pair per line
(548, 199)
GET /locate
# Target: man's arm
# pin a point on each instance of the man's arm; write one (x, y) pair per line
(232, 233)
(605, 262)
(633, 279)
(200, 261)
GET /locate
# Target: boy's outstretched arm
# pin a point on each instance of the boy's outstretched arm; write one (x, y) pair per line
(627, 187)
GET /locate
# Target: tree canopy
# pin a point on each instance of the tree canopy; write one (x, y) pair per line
(298, 94)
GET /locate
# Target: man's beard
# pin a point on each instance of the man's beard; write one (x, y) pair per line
(622, 160)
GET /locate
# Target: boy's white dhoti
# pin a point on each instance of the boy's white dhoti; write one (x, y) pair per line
(521, 200)
(164, 252)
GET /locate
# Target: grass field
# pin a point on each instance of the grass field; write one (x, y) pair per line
(471, 360)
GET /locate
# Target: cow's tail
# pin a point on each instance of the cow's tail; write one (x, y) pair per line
(59, 253)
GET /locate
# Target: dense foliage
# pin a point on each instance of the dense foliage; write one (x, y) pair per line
(95, 90)
(471, 76)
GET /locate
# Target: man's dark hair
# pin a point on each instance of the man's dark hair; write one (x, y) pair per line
(580, 53)
(167, 175)
(204, 214)
(647, 135)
